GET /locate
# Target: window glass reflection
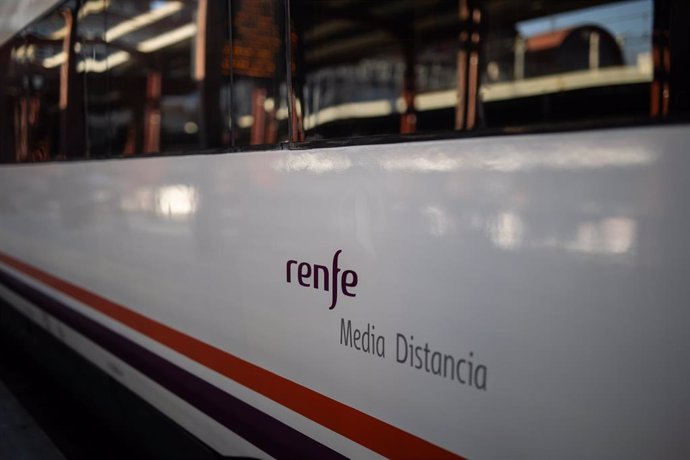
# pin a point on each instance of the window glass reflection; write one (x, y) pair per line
(166, 88)
(353, 66)
(33, 93)
(92, 67)
(396, 66)
(128, 77)
(570, 61)
(13, 62)
(50, 110)
(259, 97)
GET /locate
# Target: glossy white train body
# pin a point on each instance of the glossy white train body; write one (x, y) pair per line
(555, 262)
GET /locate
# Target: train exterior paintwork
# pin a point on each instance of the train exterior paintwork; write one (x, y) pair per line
(549, 269)
(328, 229)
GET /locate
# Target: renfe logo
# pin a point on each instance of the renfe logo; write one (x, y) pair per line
(307, 273)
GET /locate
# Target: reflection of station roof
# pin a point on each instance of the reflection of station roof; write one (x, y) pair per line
(343, 30)
(122, 31)
(555, 38)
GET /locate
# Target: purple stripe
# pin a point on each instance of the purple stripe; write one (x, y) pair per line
(270, 435)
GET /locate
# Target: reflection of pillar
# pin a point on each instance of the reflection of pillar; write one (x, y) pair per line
(593, 50)
(468, 66)
(71, 95)
(6, 122)
(211, 22)
(661, 88)
(21, 124)
(130, 147)
(661, 57)
(461, 72)
(152, 117)
(519, 66)
(294, 62)
(258, 115)
(408, 120)
(39, 145)
(271, 124)
(473, 70)
(297, 125)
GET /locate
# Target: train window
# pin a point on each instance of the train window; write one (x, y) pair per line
(12, 63)
(91, 52)
(567, 60)
(36, 98)
(166, 88)
(354, 62)
(124, 77)
(45, 91)
(257, 64)
(398, 66)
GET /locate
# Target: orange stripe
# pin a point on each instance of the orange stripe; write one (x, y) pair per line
(364, 429)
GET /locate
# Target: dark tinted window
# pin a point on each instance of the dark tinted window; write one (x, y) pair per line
(92, 54)
(257, 62)
(12, 68)
(360, 64)
(402, 66)
(34, 99)
(166, 87)
(567, 61)
(124, 77)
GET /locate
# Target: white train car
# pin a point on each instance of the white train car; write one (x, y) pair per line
(325, 229)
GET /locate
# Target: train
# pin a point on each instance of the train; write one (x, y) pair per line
(351, 229)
